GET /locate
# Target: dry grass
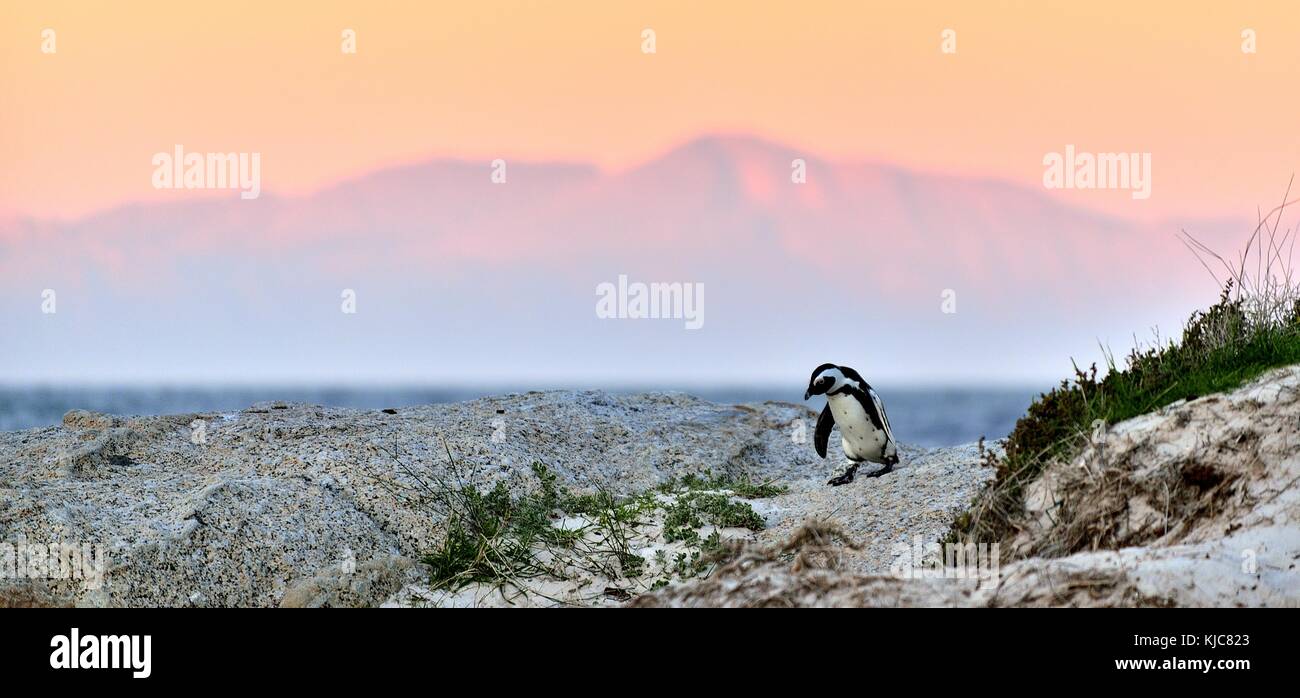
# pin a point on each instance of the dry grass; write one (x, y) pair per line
(1121, 504)
(1263, 275)
(814, 545)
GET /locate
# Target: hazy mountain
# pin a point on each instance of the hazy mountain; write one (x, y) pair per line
(461, 279)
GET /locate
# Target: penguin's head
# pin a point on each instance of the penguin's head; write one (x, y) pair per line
(823, 380)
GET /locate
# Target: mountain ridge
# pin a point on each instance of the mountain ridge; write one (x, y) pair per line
(438, 248)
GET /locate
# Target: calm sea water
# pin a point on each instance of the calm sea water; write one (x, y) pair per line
(926, 416)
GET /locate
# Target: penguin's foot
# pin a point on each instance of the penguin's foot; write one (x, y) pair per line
(889, 467)
(845, 478)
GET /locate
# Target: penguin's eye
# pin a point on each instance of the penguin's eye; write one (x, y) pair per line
(821, 380)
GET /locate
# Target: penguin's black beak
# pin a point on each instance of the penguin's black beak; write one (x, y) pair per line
(807, 394)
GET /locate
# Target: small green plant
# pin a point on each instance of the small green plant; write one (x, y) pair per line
(741, 487)
(696, 501)
(693, 510)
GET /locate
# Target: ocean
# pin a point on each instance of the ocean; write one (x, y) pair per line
(925, 416)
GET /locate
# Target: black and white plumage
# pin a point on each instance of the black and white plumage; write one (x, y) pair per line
(853, 406)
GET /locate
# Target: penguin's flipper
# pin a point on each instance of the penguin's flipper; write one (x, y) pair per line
(823, 433)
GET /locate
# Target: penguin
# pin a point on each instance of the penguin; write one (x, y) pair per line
(857, 410)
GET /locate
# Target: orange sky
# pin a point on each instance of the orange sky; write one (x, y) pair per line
(568, 80)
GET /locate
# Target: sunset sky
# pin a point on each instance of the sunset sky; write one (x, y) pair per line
(568, 81)
(925, 179)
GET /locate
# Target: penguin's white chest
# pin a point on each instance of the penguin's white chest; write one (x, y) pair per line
(859, 437)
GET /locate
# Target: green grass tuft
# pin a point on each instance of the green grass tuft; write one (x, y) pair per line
(497, 536)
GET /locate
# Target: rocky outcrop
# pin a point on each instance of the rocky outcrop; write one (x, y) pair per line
(299, 505)
(291, 504)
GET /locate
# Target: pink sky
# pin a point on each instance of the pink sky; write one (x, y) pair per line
(842, 81)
